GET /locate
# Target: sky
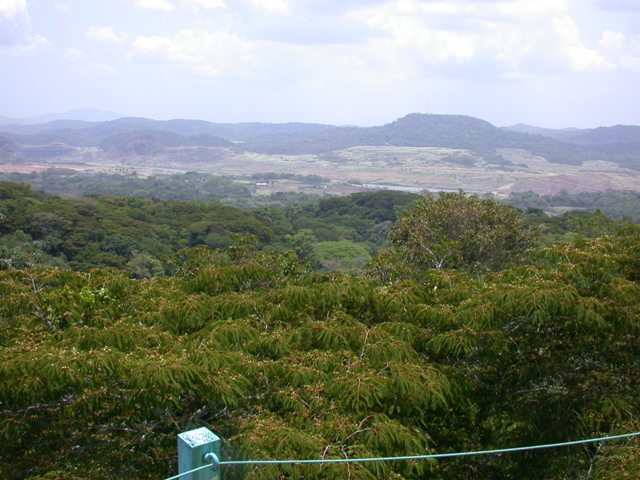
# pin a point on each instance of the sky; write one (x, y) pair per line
(552, 63)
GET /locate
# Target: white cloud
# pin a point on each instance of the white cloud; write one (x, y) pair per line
(570, 45)
(207, 53)
(85, 64)
(430, 44)
(29, 45)
(13, 10)
(105, 34)
(624, 51)
(274, 7)
(348, 69)
(205, 4)
(15, 35)
(518, 36)
(74, 54)
(62, 7)
(277, 7)
(14, 24)
(612, 40)
(164, 5)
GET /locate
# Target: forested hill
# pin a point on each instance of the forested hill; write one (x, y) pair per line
(419, 130)
(465, 333)
(617, 144)
(79, 133)
(617, 134)
(114, 231)
(139, 234)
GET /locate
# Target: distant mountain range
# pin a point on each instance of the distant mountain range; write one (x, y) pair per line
(140, 136)
(533, 130)
(87, 115)
(618, 134)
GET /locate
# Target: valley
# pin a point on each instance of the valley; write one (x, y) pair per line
(361, 168)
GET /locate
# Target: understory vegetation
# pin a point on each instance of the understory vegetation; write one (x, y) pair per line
(319, 330)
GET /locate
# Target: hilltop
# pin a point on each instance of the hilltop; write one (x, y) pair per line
(417, 150)
(413, 130)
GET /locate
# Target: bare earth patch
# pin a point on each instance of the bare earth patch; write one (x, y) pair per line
(351, 169)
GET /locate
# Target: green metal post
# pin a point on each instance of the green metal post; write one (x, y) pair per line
(197, 448)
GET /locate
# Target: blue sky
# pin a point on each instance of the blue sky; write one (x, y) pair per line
(553, 63)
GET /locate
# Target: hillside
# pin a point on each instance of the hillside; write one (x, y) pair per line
(618, 134)
(534, 130)
(83, 133)
(104, 230)
(414, 130)
(153, 142)
(415, 152)
(83, 115)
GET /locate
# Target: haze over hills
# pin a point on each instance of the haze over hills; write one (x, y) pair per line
(411, 150)
(616, 134)
(621, 143)
(85, 114)
(535, 130)
(98, 131)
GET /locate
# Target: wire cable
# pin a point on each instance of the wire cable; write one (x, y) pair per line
(427, 456)
(411, 457)
(189, 472)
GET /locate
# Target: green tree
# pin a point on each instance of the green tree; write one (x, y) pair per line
(143, 265)
(343, 255)
(454, 230)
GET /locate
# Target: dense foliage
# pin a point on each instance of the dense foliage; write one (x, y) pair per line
(188, 186)
(452, 230)
(39, 229)
(101, 371)
(111, 231)
(613, 203)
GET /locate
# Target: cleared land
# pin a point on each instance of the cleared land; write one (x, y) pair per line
(359, 168)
